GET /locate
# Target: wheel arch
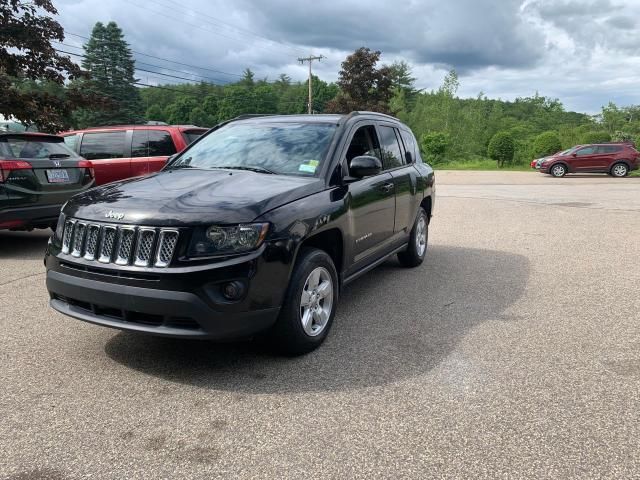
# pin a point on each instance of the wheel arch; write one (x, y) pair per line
(331, 241)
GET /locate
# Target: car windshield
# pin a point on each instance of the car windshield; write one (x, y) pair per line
(282, 148)
(565, 152)
(33, 147)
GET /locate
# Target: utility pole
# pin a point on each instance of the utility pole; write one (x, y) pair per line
(310, 59)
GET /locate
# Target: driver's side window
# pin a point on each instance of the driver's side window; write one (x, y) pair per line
(586, 151)
(364, 142)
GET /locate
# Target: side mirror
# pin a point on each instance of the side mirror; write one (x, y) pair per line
(408, 157)
(365, 166)
(574, 154)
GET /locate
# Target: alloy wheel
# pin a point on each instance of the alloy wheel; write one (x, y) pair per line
(316, 301)
(421, 236)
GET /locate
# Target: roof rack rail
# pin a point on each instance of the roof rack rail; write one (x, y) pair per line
(366, 112)
(253, 115)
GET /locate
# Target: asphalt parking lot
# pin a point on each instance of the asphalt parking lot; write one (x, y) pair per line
(514, 351)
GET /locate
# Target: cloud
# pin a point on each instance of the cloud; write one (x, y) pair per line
(583, 52)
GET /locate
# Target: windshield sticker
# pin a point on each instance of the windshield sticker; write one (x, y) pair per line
(309, 167)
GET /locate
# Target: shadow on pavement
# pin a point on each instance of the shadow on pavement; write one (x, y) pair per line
(23, 245)
(391, 324)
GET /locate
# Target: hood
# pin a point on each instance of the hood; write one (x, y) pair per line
(191, 197)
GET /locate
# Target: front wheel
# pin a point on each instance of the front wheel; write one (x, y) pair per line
(417, 248)
(619, 170)
(558, 170)
(310, 304)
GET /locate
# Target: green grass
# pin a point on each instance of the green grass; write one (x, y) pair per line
(635, 173)
(480, 164)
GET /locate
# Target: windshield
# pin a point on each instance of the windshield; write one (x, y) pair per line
(566, 152)
(33, 147)
(283, 148)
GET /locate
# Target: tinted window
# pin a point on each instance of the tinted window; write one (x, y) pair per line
(71, 141)
(139, 144)
(409, 144)
(160, 143)
(609, 149)
(390, 150)
(586, 151)
(191, 136)
(33, 147)
(288, 148)
(364, 142)
(105, 145)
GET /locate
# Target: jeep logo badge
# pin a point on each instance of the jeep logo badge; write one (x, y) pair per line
(114, 215)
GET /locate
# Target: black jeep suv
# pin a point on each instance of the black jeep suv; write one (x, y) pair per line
(254, 227)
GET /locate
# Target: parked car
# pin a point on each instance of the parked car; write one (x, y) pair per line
(120, 152)
(256, 227)
(616, 159)
(38, 173)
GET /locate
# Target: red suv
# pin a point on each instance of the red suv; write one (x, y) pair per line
(125, 151)
(616, 159)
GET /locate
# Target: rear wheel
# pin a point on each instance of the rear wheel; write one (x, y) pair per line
(310, 304)
(558, 170)
(619, 170)
(417, 248)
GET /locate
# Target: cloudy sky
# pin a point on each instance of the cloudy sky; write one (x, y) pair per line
(584, 52)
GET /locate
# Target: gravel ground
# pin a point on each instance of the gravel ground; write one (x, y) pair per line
(514, 351)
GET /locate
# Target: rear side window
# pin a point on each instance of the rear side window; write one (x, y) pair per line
(409, 145)
(140, 143)
(160, 144)
(33, 147)
(609, 149)
(390, 149)
(191, 136)
(104, 145)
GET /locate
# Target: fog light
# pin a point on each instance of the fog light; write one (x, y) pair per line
(233, 290)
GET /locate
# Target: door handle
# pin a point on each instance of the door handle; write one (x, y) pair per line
(386, 187)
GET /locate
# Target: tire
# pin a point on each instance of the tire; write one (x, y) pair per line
(417, 248)
(302, 328)
(619, 170)
(558, 170)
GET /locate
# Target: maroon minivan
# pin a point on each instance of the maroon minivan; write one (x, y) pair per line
(123, 151)
(616, 159)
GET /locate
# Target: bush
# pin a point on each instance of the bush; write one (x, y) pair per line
(434, 146)
(545, 144)
(501, 148)
(620, 136)
(595, 137)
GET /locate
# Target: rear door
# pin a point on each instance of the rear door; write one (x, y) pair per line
(110, 154)
(161, 146)
(405, 177)
(607, 156)
(150, 149)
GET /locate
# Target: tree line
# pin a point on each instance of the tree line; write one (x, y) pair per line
(43, 87)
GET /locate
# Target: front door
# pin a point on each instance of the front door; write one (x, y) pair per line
(372, 200)
(585, 160)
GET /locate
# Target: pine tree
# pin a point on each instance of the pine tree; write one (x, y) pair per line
(110, 63)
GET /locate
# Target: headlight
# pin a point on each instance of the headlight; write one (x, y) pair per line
(60, 226)
(219, 240)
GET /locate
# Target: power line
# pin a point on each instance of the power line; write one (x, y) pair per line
(217, 21)
(174, 19)
(164, 59)
(149, 65)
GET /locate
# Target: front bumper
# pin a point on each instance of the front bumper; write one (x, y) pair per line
(39, 216)
(184, 302)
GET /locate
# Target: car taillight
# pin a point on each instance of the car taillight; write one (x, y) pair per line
(89, 166)
(7, 166)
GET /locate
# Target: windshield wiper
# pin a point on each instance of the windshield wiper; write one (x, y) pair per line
(178, 167)
(59, 155)
(249, 168)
